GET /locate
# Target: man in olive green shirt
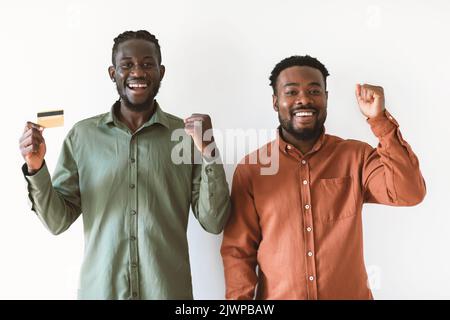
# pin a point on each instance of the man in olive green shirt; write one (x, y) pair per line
(118, 169)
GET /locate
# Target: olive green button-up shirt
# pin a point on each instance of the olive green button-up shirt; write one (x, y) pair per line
(134, 202)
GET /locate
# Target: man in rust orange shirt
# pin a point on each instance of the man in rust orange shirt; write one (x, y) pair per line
(301, 225)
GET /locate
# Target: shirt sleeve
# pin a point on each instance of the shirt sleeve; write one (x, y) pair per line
(241, 240)
(391, 173)
(57, 204)
(210, 195)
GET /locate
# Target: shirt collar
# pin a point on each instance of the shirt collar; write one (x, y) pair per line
(287, 148)
(158, 117)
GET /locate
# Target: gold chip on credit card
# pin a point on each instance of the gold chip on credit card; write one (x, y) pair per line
(51, 119)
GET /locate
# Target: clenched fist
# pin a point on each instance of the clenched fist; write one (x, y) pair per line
(370, 99)
(32, 146)
(196, 125)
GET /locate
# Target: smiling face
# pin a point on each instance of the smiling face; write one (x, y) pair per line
(137, 73)
(301, 102)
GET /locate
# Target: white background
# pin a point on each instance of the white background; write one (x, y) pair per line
(218, 56)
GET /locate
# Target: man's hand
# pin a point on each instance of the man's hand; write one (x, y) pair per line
(32, 146)
(370, 99)
(196, 126)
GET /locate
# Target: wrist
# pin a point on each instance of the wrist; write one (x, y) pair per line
(33, 169)
(209, 151)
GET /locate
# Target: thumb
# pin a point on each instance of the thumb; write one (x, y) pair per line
(358, 91)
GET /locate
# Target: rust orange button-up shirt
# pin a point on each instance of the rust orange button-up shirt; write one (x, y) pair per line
(302, 227)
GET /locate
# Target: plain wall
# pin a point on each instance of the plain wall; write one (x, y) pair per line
(218, 57)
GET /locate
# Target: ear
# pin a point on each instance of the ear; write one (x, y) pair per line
(112, 73)
(275, 102)
(162, 71)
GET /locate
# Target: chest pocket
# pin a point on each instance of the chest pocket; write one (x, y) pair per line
(334, 199)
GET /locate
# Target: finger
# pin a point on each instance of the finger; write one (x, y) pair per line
(362, 94)
(358, 91)
(378, 92)
(370, 93)
(28, 132)
(25, 142)
(32, 141)
(31, 132)
(372, 87)
(194, 118)
(193, 127)
(365, 93)
(37, 139)
(28, 150)
(198, 114)
(190, 132)
(34, 125)
(26, 128)
(194, 123)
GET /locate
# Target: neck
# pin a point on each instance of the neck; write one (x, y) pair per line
(303, 145)
(135, 119)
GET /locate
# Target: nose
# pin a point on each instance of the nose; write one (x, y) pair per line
(303, 98)
(137, 71)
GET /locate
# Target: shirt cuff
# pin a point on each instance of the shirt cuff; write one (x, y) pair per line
(35, 182)
(40, 176)
(382, 124)
(212, 168)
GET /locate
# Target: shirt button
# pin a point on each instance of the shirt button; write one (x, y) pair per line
(310, 254)
(303, 161)
(133, 265)
(133, 212)
(132, 160)
(311, 278)
(134, 294)
(131, 186)
(307, 207)
(305, 182)
(132, 238)
(309, 229)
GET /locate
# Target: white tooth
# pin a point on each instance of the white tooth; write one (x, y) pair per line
(303, 114)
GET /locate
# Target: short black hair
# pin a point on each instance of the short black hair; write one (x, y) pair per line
(140, 34)
(301, 61)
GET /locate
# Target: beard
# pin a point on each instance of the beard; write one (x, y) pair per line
(139, 107)
(304, 134)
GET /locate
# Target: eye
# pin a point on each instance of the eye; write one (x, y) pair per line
(290, 92)
(147, 65)
(315, 92)
(126, 65)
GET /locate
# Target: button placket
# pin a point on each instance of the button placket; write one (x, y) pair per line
(307, 210)
(133, 218)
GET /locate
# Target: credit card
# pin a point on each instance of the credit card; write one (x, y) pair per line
(51, 119)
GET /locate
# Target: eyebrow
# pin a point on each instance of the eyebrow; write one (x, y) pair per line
(128, 58)
(297, 84)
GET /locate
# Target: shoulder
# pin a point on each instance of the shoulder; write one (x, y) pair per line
(347, 144)
(174, 121)
(252, 163)
(87, 126)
